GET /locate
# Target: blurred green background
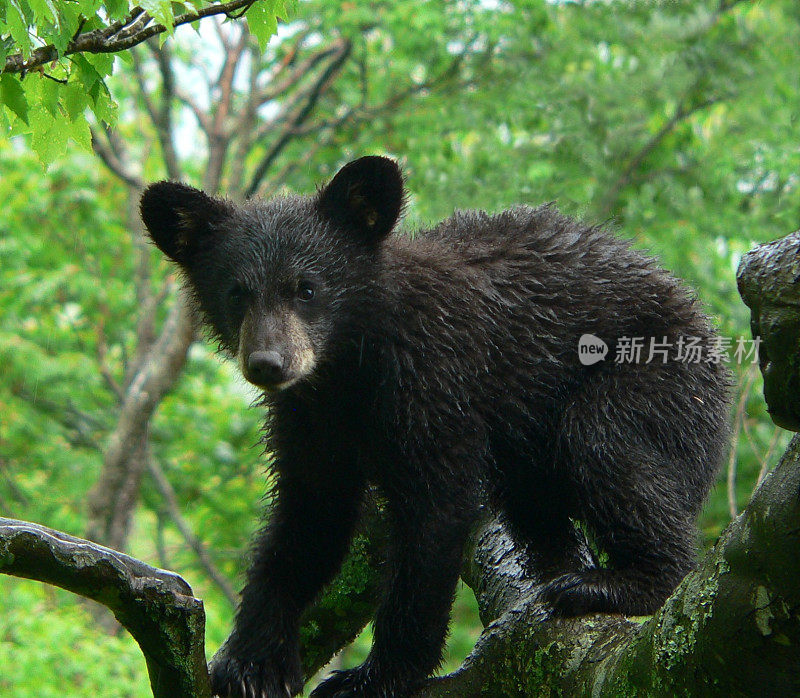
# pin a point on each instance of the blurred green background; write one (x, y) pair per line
(675, 121)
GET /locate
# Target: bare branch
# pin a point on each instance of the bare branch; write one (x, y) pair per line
(310, 98)
(173, 510)
(136, 28)
(233, 56)
(267, 188)
(102, 361)
(222, 35)
(162, 117)
(102, 146)
(219, 137)
(203, 120)
(273, 90)
(682, 113)
(245, 124)
(156, 375)
(147, 98)
(354, 115)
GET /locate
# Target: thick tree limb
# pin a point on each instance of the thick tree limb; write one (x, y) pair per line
(350, 601)
(731, 627)
(768, 281)
(118, 36)
(156, 606)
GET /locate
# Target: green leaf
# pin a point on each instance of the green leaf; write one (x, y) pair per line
(103, 62)
(102, 105)
(49, 137)
(117, 9)
(87, 73)
(18, 28)
(261, 18)
(13, 96)
(69, 18)
(161, 11)
(79, 132)
(3, 50)
(74, 100)
(44, 10)
(89, 7)
(50, 94)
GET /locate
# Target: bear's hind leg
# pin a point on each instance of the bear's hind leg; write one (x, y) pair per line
(634, 584)
(536, 518)
(640, 499)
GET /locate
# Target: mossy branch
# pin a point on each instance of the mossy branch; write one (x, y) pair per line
(731, 628)
(157, 607)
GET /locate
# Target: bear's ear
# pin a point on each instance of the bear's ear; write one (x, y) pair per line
(179, 218)
(365, 197)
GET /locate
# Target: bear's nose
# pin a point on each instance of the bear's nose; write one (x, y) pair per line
(265, 368)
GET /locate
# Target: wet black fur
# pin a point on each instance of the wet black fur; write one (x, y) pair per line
(446, 362)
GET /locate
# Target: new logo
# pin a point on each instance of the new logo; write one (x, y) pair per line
(591, 349)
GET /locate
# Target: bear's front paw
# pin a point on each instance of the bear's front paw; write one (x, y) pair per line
(234, 676)
(360, 682)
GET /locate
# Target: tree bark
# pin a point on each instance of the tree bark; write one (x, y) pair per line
(118, 36)
(768, 281)
(732, 628)
(156, 606)
(159, 610)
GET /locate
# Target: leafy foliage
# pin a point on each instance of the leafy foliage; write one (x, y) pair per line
(66, 51)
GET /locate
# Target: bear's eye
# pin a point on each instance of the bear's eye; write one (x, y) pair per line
(305, 291)
(238, 294)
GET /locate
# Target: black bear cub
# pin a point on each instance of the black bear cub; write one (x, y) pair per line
(439, 366)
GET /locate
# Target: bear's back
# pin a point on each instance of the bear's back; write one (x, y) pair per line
(540, 268)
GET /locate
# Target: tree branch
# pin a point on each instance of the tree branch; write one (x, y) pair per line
(154, 377)
(274, 90)
(156, 606)
(731, 625)
(118, 36)
(163, 117)
(354, 115)
(682, 113)
(173, 510)
(310, 98)
(219, 137)
(104, 150)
